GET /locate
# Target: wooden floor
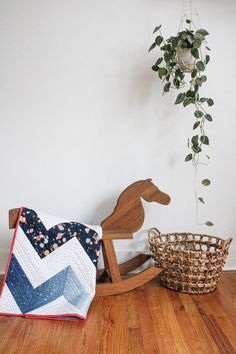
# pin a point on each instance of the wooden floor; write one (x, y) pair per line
(149, 320)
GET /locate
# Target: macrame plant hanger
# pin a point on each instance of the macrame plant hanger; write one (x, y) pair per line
(189, 12)
(190, 19)
(185, 60)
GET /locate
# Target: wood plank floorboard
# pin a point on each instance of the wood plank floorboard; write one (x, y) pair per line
(150, 319)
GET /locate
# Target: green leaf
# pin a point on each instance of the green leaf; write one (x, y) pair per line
(199, 36)
(167, 87)
(203, 99)
(157, 29)
(159, 61)
(188, 101)
(206, 182)
(180, 98)
(179, 73)
(208, 48)
(196, 149)
(194, 140)
(188, 21)
(171, 39)
(210, 102)
(155, 68)
(202, 32)
(204, 139)
(159, 40)
(172, 64)
(194, 73)
(200, 65)
(201, 200)
(176, 82)
(198, 114)
(208, 117)
(199, 81)
(203, 78)
(195, 53)
(152, 47)
(190, 39)
(190, 94)
(196, 124)
(209, 223)
(164, 47)
(207, 58)
(162, 72)
(197, 43)
(208, 157)
(182, 43)
(168, 57)
(188, 157)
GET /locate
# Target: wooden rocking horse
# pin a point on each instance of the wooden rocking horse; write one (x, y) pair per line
(127, 218)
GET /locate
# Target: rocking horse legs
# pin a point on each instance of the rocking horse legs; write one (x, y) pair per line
(110, 261)
(114, 271)
(127, 215)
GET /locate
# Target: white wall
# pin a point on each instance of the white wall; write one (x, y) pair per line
(81, 113)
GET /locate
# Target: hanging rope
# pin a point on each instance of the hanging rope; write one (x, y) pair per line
(182, 16)
(197, 17)
(189, 12)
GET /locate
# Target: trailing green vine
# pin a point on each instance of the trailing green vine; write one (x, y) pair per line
(172, 70)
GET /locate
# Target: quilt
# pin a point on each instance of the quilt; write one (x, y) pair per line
(51, 270)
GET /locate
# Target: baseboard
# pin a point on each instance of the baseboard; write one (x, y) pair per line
(231, 259)
(125, 255)
(3, 261)
(227, 269)
(229, 265)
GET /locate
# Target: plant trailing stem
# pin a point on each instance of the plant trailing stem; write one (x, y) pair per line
(172, 72)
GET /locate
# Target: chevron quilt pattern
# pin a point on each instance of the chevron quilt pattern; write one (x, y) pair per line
(51, 270)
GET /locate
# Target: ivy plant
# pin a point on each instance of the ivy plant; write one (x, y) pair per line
(174, 76)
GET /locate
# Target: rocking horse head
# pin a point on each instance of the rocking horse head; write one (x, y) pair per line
(129, 213)
(150, 192)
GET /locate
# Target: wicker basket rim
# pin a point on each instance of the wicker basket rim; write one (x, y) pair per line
(166, 245)
(187, 233)
(192, 252)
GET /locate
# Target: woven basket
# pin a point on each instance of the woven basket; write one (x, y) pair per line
(192, 263)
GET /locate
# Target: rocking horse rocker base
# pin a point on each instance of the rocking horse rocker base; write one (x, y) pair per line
(114, 271)
(127, 218)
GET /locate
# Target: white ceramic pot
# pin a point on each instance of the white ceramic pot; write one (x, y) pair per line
(185, 60)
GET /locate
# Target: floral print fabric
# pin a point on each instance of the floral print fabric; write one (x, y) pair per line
(46, 241)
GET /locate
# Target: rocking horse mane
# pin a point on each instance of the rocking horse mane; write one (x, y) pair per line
(129, 212)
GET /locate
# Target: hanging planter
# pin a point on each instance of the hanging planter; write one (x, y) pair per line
(185, 60)
(181, 62)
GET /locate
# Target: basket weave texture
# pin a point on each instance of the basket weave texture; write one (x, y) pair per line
(192, 263)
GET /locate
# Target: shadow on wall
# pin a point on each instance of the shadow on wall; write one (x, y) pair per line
(143, 89)
(151, 113)
(103, 210)
(148, 115)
